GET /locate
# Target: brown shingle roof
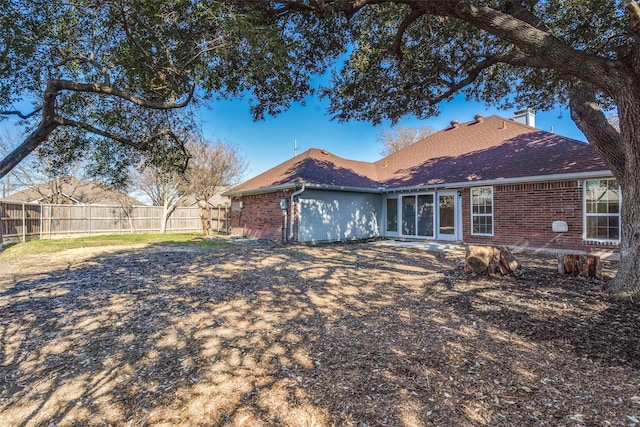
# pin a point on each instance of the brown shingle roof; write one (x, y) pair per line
(314, 166)
(73, 190)
(494, 148)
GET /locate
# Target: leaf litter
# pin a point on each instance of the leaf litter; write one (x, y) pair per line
(343, 334)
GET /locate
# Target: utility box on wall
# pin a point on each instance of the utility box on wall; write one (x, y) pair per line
(236, 206)
(283, 204)
(559, 227)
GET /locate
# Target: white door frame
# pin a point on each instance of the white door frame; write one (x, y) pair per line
(457, 217)
(456, 236)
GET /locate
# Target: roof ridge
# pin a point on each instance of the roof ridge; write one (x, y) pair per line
(305, 164)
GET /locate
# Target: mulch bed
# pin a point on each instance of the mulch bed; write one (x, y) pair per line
(349, 334)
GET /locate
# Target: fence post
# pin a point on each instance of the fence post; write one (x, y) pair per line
(24, 222)
(227, 229)
(1, 222)
(50, 220)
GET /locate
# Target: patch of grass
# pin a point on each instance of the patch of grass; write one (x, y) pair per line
(35, 247)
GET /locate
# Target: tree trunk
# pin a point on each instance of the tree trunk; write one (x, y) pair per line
(33, 141)
(205, 217)
(621, 151)
(167, 209)
(580, 265)
(491, 260)
(48, 124)
(627, 280)
(1, 224)
(132, 225)
(165, 218)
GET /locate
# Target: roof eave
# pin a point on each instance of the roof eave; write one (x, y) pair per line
(261, 190)
(503, 181)
(307, 186)
(344, 188)
(463, 184)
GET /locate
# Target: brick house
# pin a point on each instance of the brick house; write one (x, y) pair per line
(488, 181)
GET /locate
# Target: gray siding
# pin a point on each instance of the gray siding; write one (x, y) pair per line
(337, 215)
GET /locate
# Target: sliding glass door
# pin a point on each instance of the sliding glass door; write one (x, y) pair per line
(430, 215)
(417, 215)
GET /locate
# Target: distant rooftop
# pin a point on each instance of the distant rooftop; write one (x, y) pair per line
(71, 190)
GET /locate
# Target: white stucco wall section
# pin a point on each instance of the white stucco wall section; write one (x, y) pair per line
(337, 215)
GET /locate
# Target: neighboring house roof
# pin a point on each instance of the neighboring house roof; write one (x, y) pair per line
(73, 191)
(217, 200)
(489, 149)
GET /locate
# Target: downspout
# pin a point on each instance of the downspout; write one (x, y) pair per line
(291, 221)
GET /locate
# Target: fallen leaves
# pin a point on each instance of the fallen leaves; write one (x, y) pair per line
(312, 335)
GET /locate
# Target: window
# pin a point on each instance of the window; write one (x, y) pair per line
(482, 211)
(602, 210)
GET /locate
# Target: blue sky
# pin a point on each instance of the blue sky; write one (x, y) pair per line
(269, 142)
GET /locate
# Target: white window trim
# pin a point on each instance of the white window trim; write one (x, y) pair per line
(484, 215)
(585, 214)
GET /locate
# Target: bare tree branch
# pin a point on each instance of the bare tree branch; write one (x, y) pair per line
(103, 89)
(142, 146)
(103, 70)
(32, 142)
(20, 114)
(526, 32)
(454, 87)
(406, 22)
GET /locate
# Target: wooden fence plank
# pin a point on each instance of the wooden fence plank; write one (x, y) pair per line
(21, 221)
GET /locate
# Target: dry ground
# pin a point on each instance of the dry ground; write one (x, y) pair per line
(309, 336)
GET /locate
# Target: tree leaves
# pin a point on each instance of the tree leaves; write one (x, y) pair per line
(100, 67)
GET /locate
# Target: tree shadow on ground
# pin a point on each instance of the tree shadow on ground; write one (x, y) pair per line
(297, 335)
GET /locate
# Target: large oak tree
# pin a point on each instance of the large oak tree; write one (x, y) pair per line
(107, 78)
(406, 56)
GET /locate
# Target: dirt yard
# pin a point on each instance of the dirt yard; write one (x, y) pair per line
(345, 335)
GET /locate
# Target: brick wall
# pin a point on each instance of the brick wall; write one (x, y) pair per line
(523, 215)
(260, 216)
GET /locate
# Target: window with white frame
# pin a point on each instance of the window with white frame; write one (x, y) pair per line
(602, 210)
(482, 211)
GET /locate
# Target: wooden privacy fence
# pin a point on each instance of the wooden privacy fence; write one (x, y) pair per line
(25, 221)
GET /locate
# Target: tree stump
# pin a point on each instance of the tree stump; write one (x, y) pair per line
(580, 265)
(490, 260)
